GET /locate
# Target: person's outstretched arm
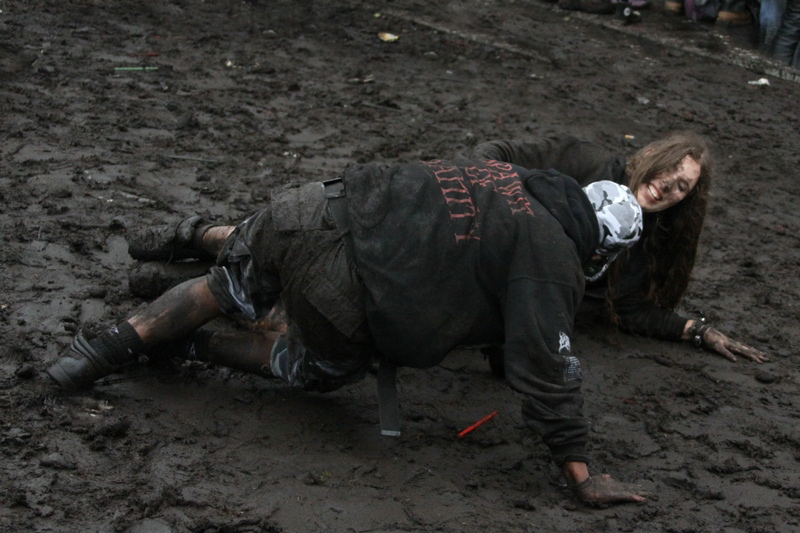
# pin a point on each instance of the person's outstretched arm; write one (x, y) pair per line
(583, 161)
(638, 314)
(711, 339)
(539, 364)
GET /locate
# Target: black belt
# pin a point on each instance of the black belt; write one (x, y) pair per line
(388, 408)
(337, 206)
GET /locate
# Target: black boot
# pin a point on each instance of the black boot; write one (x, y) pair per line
(169, 242)
(91, 359)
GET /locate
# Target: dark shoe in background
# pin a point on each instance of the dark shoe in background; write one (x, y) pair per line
(626, 13)
(597, 7)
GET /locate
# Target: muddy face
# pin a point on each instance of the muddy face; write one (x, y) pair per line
(669, 188)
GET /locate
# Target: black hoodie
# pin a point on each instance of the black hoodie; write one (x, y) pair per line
(587, 163)
(469, 252)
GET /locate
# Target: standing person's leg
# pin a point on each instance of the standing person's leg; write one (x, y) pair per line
(175, 314)
(788, 35)
(769, 20)
(796, 61)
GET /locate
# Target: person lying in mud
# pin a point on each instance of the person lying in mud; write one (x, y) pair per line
(395, 263)
(670, 178)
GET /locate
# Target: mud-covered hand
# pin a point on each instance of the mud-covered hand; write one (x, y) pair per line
(604, 490)
(729, 348)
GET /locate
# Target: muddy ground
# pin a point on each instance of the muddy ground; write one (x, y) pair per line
(242, 97)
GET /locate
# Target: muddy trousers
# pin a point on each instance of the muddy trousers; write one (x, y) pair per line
(291, 252)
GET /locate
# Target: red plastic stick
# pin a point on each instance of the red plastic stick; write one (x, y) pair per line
(478, 423)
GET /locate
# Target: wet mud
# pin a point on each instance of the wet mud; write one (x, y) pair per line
(118, 114)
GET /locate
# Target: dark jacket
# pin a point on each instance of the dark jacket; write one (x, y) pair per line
(587, 163)
(465, 252)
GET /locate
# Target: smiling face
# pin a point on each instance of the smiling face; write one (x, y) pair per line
(669, 188)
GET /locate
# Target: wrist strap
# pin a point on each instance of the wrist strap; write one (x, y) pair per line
(698, 331)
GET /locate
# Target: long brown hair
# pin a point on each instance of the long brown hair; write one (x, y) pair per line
(670, 237)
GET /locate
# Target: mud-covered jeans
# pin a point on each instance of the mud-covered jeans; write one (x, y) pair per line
(786, 47)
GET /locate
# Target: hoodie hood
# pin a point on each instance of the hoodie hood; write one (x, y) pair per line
(564, 198)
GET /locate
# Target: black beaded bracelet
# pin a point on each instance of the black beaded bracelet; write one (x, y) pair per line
(698, 331)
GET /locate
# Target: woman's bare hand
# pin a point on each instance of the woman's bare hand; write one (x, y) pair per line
(729, 348)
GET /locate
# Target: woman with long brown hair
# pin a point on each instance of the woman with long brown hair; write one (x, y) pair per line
(670, 178)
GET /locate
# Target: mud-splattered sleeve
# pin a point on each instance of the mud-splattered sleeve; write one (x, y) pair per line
(539, 363)
(584, 161)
